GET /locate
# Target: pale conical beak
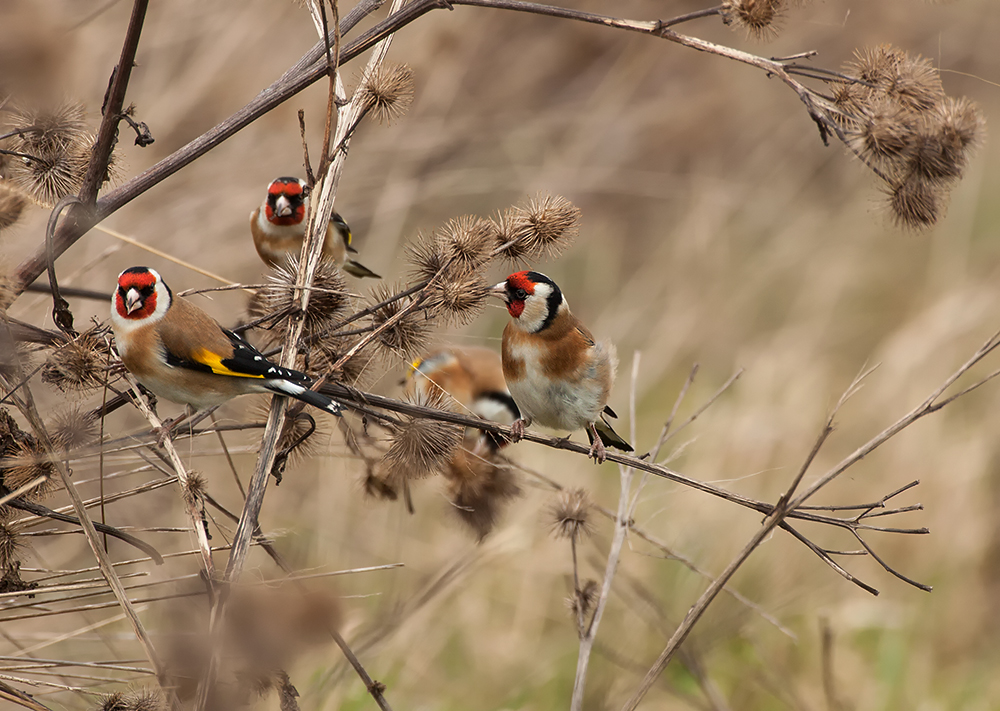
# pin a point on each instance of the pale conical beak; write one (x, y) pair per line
(133, 301)
(282, 207)
(499, 291)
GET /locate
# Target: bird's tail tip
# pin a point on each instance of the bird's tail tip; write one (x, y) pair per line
(609, 438)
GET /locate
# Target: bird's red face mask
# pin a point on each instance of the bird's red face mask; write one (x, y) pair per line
(285, 202)
(514, 291)
(136, 295)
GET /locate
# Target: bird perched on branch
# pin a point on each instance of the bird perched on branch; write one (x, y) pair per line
(558, 375)
(180, 353)
(473, 377)
(278, 227)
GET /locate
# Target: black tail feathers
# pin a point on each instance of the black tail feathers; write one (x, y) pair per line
(608, 436)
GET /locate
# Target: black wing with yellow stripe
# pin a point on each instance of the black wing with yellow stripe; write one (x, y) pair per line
(245, 362)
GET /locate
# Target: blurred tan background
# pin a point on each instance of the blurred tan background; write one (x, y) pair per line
(716, 230)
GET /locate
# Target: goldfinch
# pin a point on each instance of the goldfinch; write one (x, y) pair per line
(180, 353)
(278, 227)
(558, 375)
(473, 376)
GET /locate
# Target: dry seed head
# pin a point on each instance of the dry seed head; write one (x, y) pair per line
(885, 131)
(479, 489)
(325, 352)
(328, 297)
(10, 544)
(425, 257)
(459, 301)
(960, 121)
(407, 335)
(49, 131)
(466, 241)
(77, 365)
(584, 600)
(851, 98)
(421, 446)
(916, 84)
(12, 204)
(915, 202)
(545, 226)
(387, 92)
(27, 463)
(758, 17)
(60, 146)
(195, 485)
(570, 514)
(294, 429)
(114, 702)
(876, 65)
(73, 427)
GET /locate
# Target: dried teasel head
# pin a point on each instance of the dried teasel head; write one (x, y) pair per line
(11, 545)
(28, 464)
(328, 297)
(426, 257)
(915, 202)
(301, 433)
(194, 487)
(583, 602)
(570, 514)
(421, 446)
(58, 147)
(479, 489)
(77, 365)
(758, 17)
(916, 84)
(324, 353)
(12, 204)
(877, 65)
(466, 241)
(885, 131)
(946, 136)
(387, 92)
(407, 333)
(135, 700)
(72, 428)
(545, 226)
(459, 301)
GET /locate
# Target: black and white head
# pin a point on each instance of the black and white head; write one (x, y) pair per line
(141, 297)
(533, 300)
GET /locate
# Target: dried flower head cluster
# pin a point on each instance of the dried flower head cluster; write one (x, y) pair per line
(544, 227)
(583, 601)
(386, 92)
(479, 488)
(54, 147)
(405, 327)
(279, 300)
(73, 427)
(24, 461)
(758, 17)
(899, 120)
(420, 448)
(570, 514)
(78, 365)
(135, 700)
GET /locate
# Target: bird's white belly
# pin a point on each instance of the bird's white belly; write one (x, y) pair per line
(566, 406)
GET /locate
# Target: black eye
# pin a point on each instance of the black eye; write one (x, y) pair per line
(520, 295)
